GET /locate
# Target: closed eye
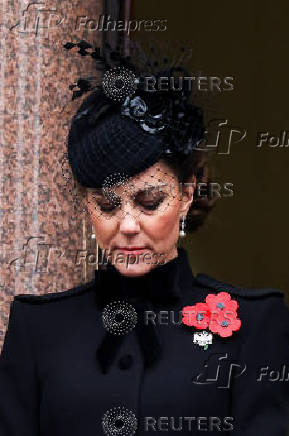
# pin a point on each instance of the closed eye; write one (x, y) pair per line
(150, 205)
(147, 199)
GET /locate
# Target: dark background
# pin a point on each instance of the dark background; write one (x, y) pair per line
(245, 240)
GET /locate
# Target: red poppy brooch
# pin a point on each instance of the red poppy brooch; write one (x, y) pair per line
(218, 314)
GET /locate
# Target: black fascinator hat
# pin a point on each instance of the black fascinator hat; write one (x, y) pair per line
(123, 126)
(110, 144)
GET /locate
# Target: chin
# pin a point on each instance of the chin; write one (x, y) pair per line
(133, 269)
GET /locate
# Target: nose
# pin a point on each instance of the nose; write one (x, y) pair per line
(129, 224)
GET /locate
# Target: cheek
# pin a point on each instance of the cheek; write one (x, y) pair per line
(104, 229)
(164, 226)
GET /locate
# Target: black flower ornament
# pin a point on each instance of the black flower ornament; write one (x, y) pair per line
(186, 128)
(137, 109)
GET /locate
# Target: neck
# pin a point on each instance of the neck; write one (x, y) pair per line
(163, 259)
(159, 270)
(161, 283)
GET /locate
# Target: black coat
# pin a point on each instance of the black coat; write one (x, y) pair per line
(61, 371)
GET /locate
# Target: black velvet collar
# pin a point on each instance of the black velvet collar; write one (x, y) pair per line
(160, 286)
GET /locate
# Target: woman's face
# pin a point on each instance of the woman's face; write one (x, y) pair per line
(137, 222)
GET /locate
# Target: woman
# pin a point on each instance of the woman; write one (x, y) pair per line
(147, 347)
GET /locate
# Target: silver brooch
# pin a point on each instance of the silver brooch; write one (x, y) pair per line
(203, 339)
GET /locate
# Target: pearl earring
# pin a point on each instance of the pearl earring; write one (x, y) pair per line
(92, 233)
(182, 230)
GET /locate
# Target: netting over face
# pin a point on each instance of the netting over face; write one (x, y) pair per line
(149, 193)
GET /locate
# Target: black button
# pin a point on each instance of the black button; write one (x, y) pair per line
(125, 362)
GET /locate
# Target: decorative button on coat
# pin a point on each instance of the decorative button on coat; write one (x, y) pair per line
(125, 362)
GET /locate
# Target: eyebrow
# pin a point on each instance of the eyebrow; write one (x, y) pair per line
(99, 191)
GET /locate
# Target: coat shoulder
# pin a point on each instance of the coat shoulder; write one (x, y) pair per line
(210, 282)
(54, 296)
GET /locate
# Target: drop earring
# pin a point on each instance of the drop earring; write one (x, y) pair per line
(92, 233)
(182, 229)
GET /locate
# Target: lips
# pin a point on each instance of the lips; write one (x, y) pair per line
(134, 249)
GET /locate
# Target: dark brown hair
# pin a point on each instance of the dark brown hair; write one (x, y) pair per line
(195, 164)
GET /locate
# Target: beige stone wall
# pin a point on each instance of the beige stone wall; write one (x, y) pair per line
(41, 231)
